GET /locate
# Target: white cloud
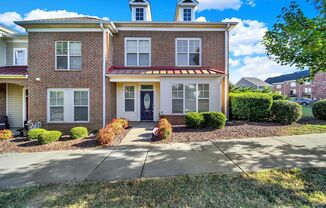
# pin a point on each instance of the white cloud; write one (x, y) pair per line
(246, 37)
(260, 67)
(201, 19)
(251, 3)
(219, 4)
(234, 62)
(8, 18)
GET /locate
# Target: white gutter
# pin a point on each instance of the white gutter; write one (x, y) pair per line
(103, 78)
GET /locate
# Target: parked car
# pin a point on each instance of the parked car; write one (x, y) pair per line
(302, 101)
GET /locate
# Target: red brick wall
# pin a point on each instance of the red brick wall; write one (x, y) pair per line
(163, 47)
(2, 99)
(175, 119)
(286, 88)
(42, 65)
(319, 86)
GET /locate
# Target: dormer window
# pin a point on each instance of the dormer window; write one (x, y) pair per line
(187, 14)
(140, 14)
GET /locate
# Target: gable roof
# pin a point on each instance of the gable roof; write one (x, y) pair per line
(67, 20)
(4, 29)
(288, 77)
(257, 82)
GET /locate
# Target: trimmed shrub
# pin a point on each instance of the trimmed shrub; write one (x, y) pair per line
(33, 134)
(105, 136)
(195, 120)
(116, 126)
(49, 137)
(319, 109)
(214, 120)
(286, 112)
(164, 130)
(78, 132)
(250, 106)
(122, 121)
(278, 97)
(5, 134)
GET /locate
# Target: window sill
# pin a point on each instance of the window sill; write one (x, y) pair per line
(68, 70)
(62, 122)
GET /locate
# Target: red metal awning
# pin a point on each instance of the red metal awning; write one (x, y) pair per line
(164, 71)
(13, 70)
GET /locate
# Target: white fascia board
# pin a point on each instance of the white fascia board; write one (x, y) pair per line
(64, 30)
(169, 29)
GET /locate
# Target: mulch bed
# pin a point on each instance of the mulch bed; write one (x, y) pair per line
(21, 144)
(233, 130)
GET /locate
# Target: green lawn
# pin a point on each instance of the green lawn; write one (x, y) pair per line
(307, 112)
(274, 188)
(306, 129)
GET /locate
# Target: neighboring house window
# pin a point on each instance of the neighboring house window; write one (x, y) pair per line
(293, 84)
(177, 98)
(293, 92)
(190, 98)
(20, 56)
(68, 105)
(278, 86)
(68, 55)
(138, 51)
(140, 14)
(307, 83)
(130, 99)
(307, 91)
(187, 14)
(188, 52)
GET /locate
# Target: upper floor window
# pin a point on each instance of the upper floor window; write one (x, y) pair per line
(137, 52)
(278, 86)
(140, 14)
(187, 14)
(293, 84)
(68, 55)
(188, 51)
(20, 56)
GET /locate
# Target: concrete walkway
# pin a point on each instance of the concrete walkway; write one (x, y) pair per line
(136, 157)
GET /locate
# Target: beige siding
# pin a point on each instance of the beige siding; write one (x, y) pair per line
(15, 105)
(10, 51)
(2, 52)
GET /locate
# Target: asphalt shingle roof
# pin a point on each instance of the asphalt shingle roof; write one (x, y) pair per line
(288, 77)
(256, 81)
(71, 20)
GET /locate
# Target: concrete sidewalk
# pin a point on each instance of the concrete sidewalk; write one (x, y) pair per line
(136, 157)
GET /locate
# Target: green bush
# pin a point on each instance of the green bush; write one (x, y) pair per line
(33, 134)
(195, 120)
(319, 109)
(286, 112)
(250, 106)
(278, 97)
(214, 120)
(49, 136)
(78, 132)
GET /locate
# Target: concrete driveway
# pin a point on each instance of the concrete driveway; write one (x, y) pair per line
(136, 157)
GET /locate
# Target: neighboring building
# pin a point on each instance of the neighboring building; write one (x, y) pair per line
(13, 75)
(86, 71)
(288, 85)
(253, 83)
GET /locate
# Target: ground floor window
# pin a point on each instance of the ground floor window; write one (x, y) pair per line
(68, 105)
(129, 99)
(191, 97)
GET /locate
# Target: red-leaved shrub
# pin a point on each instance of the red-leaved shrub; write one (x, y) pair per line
(5, 134)
(164, 129)
(105, 136)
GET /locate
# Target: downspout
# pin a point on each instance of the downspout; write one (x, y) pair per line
(226, 84)
(103, 78)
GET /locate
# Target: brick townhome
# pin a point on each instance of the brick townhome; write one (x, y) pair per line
(287, 85)
(86, 71)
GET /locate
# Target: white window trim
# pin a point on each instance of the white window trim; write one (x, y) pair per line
(124, 98)
(150, 51)
(68, 105)
(176, 52)
(68, 56)
(134, 14)
(184, 96)
(14, 56)
(192, 14)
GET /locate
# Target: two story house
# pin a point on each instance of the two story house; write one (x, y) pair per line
(13, 76)
(86, 71)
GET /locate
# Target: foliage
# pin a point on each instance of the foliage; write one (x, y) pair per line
(286, 112)
(297, 40)
(235, 89)
(78, 132)
(319, 109)
(276, 96)
(116, 126)
(122, 121)
(49, 137)
(164, 129)
(195, 120)
(33, 134)
(214, 120)
(250, 106)
(105, 136)
(6, 134)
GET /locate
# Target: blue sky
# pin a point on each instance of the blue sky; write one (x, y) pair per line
(247, 54)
